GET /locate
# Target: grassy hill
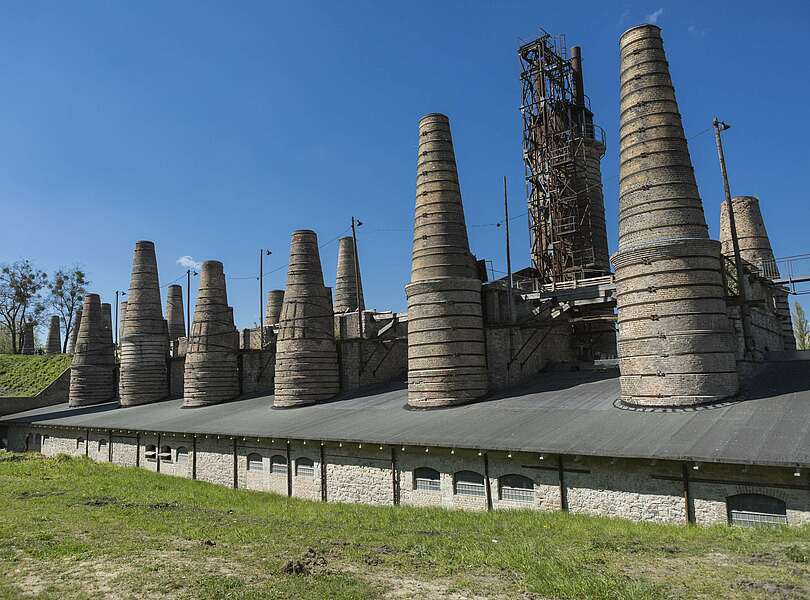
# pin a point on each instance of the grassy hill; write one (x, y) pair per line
(75, 529)
(27, 375)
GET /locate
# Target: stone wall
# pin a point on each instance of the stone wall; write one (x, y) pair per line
(641, 490)
(368, 362)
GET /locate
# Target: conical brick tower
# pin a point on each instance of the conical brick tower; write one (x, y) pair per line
(211, 368)
(122, 312)
(348, 284)
(174, 313)
(106, 320)
(306, 355)
(755, 248)
(145, 343)
(74, 331)
(675, 342)
(446, 352)
(272, 313)
(54, 337)
(93, 366)
(28, 338)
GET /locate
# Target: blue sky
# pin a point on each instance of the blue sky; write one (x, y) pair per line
(215, 129)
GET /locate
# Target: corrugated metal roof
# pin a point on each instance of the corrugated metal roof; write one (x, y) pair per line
(560, 413)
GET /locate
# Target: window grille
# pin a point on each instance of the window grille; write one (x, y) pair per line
(181, 455)
(426, 479)
(756, 510)
(151, 453)
(516, 488)
(79, 442)
(101, 445)
(166, 454)
(304, 467)
(469, 483)
(255, 462)
(278, 465)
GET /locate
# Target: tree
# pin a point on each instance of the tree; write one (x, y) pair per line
(67, 288)
(20, 287)
(801, 328)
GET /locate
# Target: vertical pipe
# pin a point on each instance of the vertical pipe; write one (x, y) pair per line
(138, 449)
(488, 487)
(194, 456)
(235, 465)
(323, 474)
(577, 80)
(690, 512)
(289, 472)
(563, 488)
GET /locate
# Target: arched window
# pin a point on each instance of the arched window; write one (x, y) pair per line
(756, 510)
(181, 455)
(255, 462)
(79, 442)
(278, 465)
(468, 483)
(304, 467)
(102, 445)
(516, 488)
(166, 454)
(426, 479)
(150, 452)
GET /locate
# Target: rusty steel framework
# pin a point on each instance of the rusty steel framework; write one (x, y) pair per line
(558, 134)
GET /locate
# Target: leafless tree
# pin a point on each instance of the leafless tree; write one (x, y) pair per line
(67, 288)
(20, 287)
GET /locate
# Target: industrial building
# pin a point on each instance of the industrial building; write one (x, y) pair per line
(668, 391)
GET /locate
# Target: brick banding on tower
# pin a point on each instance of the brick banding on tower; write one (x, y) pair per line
(675, 342)
(93, 366)
(446, 353)
(54, 345)
(272, 313)
(348, 281)
(211, 367)
(306, 368)
(175, 315)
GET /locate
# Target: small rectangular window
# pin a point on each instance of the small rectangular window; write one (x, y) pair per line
(151, 453)
(517, 494)
(428, 485)
(756, 519)
(465, 488)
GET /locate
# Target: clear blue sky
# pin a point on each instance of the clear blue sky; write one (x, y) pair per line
(218, 128)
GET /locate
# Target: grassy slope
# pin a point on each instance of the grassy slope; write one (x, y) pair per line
(27, 375)
(71, 528)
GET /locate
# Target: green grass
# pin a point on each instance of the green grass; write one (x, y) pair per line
(70, 528)
(28, 375)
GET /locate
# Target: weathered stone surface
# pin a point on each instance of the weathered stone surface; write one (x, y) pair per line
(122, 312)
(211, 367)
(145, 342)
(272, 313)
(175, 315)
(28, 341)
(92, 370)
(348, 281)
(446, 351)
(74, 331)
(106, 321)
(306, 356)
(54, 337)
(676, 346)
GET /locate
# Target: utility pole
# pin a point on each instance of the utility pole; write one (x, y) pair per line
(745, 308)
(262, 252)
(357, 223)
(508, 251)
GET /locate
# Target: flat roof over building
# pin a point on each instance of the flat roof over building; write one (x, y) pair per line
(570, 413)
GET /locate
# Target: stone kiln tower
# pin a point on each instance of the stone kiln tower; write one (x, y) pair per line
(211, 369)
(106, 319)
(92, 370)
(755, 248)
(348, 284)
(74, 332)
(28, 338)
(675, 343)
(446, 353)
(145, 342)
(122, 311)
(174, 312)
(306, 354)
(54, 337)
(272, 313)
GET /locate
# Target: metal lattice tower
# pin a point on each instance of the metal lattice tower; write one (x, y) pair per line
(561, 152)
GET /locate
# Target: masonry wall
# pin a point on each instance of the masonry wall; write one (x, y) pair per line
(368, 362)
(517, 353)
(641, 490)
(56, 393)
